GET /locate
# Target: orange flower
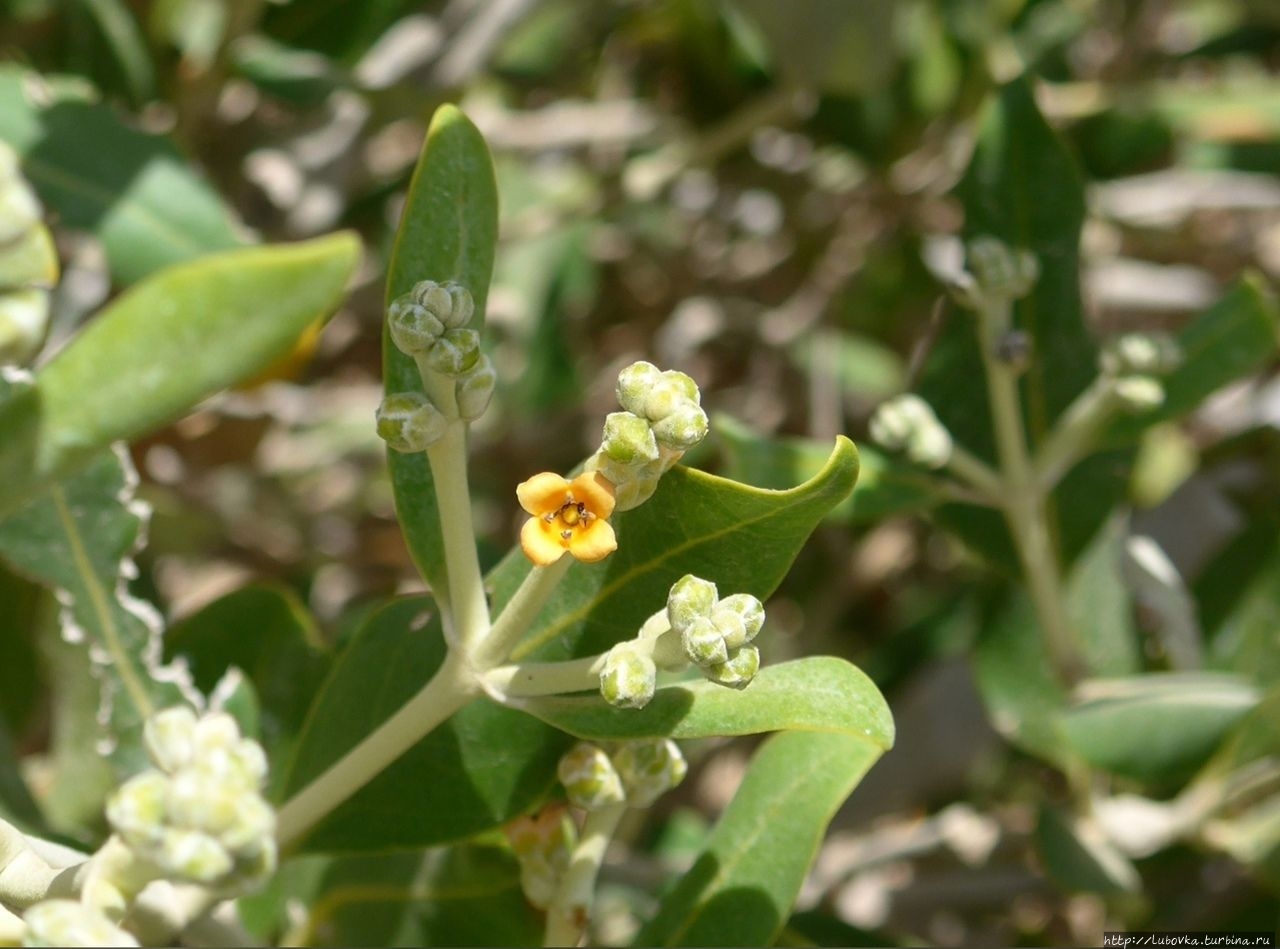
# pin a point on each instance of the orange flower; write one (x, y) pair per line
(567, 515)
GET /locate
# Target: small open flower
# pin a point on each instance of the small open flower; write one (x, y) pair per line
(568, 516)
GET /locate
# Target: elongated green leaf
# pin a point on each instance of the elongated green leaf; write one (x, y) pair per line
(131, 189)
(885, 486)
(1157, 727)
(742, 887)
(124, 38)
(1100, 607)
(741, 538)
(267, 633)
(449, 231)
(1078, 856)
(160, 348)
(79, 539)
(814, 694)
(482, 767)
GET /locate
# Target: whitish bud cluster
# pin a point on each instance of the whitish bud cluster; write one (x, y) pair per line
(1135, 362)
(660, 421)
(28, 264)
(629, 676)
(409, 422)
(997, 274)
(636, 773)
(716, 633)
(199, 814)
(71, 923)
(427, 315)
(542, 845)
(907, 424)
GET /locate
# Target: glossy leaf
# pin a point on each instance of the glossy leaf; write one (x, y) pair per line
(160, 348)
(267, 633)
(741, 889)
(1157, 727)
(814, 694)
(482, 767)
(448, 231)
(79, 539)
(741, 538)
(133, 190)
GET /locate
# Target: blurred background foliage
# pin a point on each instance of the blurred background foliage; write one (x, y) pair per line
(760, 194)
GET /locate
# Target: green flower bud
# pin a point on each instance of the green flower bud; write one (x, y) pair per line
(413, 328)
(649, 769)
(454, 353)
(542, 844)
(629, 676)
(252, 827)
(24, 316)
(628, 439)
(703, 643)
(589, 777)
(449, 302)
(192, 855)
(689, 599)
(683, 427)
(198, 800)
(907, 424)
(408, 422)
(1001, 272)
(739, 618)
(1139, 394)
(169, 737)
(738, 671)
(136, 811)
(71, 923)
(634, 385)
(1141, 354)
(474, 389)
(19, 209)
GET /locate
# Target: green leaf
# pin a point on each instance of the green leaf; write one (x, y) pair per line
(17, 806)
(79, 539)
(458, 896)
(815, 694)
(1158, 727)
(448, 231)
(1099, 605)
(741, 538)
(134, 191)
(125, 41)
(885, 486)
(1079, 857)
(742, 887)
(479, 769)
(160, 348)
(267, 633)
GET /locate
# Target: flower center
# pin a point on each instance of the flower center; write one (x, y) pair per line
(572, 515)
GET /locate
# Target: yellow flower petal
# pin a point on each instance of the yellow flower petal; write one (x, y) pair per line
(593, 542)
(543, 493)
(595, 491)
(541, 542)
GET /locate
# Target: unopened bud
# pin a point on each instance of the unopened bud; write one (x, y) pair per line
(19, 209)
(474, 389)
(589, 777)
(634, 385)
(1141, 354)
(628, 439)
(683, 427)
(739, 618)
(649, 768)
(24, 317)
(689, 599)
(629, 676)
(455, 352)
(136, 811)
(193, 855)
(1139, 394)
(408, 422)
(907, 424)
(738, 671)
(1001, 272)
(450, 302)
(413, 328)
(169, 737)
(71, 923)
(704, 643)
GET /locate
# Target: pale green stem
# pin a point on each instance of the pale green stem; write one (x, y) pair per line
(467, 607)
(1076, 432)
(1023, 503)
(976, 473)
(521, 610)
(451, 688)
(570, 910)
(530, 679)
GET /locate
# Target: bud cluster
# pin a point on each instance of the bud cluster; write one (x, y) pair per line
(637, 773)
(28, 264)
(906, 423)
(542, 844)
(716, 633)
(71, 923)
(198, 815)
(1136, 362)
(997, 274)
(660, 421)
